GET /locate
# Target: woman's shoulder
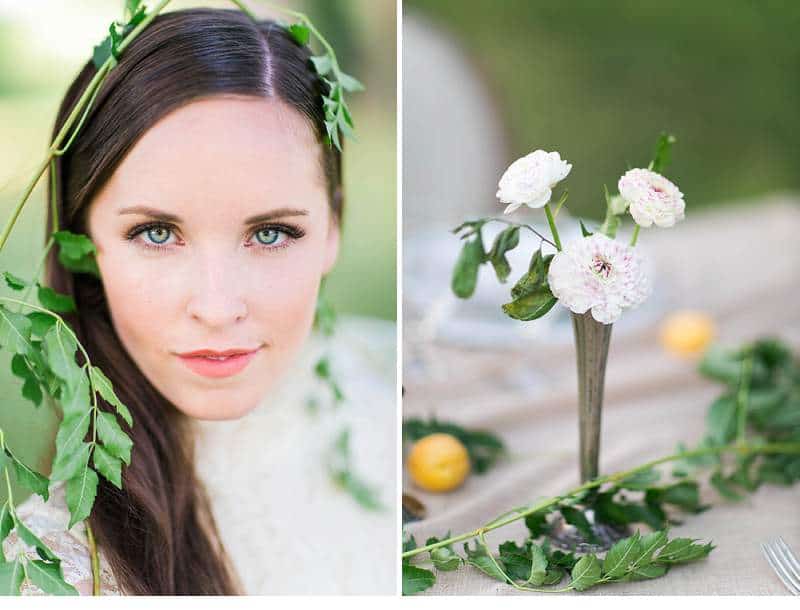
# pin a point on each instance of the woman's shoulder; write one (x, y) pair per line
(48, 520)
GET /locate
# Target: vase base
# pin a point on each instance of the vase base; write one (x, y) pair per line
(567, 537)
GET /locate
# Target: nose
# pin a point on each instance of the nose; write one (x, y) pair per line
(217, 294)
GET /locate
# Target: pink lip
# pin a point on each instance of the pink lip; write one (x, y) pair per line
(226, 367)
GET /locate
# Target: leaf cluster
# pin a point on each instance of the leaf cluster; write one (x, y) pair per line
(44, 572)
(344, 476)
(531, 295)
(534, 567)
(483, 447)
(135, 12)
(337, 83)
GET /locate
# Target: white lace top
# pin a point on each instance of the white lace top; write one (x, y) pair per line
(286, 526)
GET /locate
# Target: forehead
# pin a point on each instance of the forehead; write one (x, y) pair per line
(229, 151)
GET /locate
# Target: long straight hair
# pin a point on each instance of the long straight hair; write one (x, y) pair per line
(158, 533)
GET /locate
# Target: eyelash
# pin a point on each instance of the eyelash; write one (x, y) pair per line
(293, 233)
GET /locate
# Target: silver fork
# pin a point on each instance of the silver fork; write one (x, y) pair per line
(785, 564)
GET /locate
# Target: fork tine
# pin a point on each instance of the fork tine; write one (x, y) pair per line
(791, 560)
(779, 570)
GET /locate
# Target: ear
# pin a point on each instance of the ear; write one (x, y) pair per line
(331, 247)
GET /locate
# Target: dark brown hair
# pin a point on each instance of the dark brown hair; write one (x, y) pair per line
(158, 533)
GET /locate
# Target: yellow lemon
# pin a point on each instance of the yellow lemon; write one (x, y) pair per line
(438, 462)
(687, 332)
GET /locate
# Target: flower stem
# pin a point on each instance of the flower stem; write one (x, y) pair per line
(534, 231)
(635, 235)
(793, 448)
(552, 222)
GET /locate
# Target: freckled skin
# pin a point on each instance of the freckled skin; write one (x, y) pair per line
(213, 163)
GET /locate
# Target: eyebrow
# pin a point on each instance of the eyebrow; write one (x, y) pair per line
(167, 217)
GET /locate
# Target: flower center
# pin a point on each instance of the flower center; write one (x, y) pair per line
(601, 267)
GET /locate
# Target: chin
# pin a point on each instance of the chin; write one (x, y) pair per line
(219, 412)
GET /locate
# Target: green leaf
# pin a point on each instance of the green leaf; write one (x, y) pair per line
(536, 276)
(30, 388)
(81, 491)
(108, 465)
(621, 556)
(31, 539)
(609, 511)
(649, 545)
(504, 242)
(538, 573)
(116, 442)
(103, 385)
(59, 350)
(48, 577)
(349, 83)
(721, 419)
(6, 525)
(322, 64)
(661, 158)
(684, 494)
(15, 331)
(409, 544)
(14, 282)
(537, 523)
(52, 300)
(72, 454)
(679, 550)
(102, 52)
(724, 486)
(299, 33)
(76, 251)
(416, 579)
(444, 557)
(479, 558)
(29, 478)
(77, 400)
(586, 573)
(465, 273)
(531, 306)
(11, 577)
(584, 231)
(516, 559)
(40, 322)
(578, 519)
(653, 570)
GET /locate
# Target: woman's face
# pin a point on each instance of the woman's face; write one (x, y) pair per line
(187, 266)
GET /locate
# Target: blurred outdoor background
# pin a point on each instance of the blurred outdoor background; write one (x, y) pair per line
(43, 45)
(598, 81)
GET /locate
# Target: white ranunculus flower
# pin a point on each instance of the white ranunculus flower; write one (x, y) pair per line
(531, 179)
(653, 198)
(600, 274)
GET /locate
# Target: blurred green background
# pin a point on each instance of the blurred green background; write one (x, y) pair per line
(43, 45)
(598, 81)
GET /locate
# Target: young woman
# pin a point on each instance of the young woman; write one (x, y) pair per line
(204, 180)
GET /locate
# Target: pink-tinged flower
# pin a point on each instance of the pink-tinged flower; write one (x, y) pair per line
(653, 198)
(531, 179)
(600, 274)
